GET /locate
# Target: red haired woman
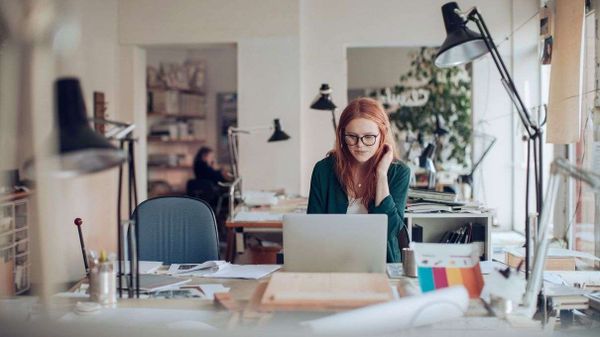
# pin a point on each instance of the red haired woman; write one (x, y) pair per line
(360, 175)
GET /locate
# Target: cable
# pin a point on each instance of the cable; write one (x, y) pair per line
(517, 29)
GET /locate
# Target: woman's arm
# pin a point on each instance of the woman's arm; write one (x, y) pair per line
(393, 205)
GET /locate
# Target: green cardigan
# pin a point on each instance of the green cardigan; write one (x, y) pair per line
(327, 196)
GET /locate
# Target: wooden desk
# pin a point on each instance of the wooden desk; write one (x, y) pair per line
(272, 221)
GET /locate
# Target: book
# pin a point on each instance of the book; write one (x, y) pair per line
(431, 195)
(514, 256)
(417, 233)
(565, 297)
(427, 208)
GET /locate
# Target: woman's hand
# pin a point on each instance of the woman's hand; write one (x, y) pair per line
(386, 160)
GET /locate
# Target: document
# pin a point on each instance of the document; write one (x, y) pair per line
(146, 267)
(192, 268)
(250, 271)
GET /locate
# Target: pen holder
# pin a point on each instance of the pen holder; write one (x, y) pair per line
(103, 284)
(408, 262)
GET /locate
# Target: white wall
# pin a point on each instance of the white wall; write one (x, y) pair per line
(221, 76)
(375, 67)
(94, 60)
(268, 69)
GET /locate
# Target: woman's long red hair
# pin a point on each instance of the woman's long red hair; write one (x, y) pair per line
(344, 161)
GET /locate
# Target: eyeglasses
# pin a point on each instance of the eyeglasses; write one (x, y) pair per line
(368, 140)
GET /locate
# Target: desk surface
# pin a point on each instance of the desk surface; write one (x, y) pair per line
(165, 314)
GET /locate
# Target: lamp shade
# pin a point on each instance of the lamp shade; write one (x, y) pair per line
(323, 100)
(81, 149)
(462, 45)
(278, 134)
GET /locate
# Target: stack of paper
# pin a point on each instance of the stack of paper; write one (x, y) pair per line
(195, 268)
(249, 271)
(222, 269)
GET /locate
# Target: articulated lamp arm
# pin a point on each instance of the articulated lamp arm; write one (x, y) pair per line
(559, 167)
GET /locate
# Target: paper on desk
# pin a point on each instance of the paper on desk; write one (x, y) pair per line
(257, 216)
(146, 267)
(249, 271)
(209, 290)
(259, 198)
(555, 252)
(391, 317)
(573, 278)
(191, 268)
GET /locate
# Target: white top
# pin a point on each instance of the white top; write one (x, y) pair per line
(355, 206)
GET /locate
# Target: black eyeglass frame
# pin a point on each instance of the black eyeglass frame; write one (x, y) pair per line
(361, 138)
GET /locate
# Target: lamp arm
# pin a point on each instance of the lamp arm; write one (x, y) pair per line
(233, 154)
(485, 153)
(531, 128)
(120, 131)
(563, 167)
(534, 284)
(559, 167)
(231, 186)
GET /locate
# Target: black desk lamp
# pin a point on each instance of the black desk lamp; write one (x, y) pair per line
(232, 137)
(463, 45)
(81, 149)
(323, 102)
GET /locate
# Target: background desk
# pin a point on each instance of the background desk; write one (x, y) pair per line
(267, 218)
(434, 224)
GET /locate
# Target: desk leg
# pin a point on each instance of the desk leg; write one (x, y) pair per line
(230, 251)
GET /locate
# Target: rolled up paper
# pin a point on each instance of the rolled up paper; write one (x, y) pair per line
(432, 307)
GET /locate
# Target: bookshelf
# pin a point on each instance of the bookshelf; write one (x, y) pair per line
(436, 224)
(15, 259)
(176, 130)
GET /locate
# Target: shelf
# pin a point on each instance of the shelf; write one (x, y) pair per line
(184, 91)
(13, 196)
(161, 140)
(175, 116)
(182, 167)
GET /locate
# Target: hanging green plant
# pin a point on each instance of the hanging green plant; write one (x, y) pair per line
(449, 101)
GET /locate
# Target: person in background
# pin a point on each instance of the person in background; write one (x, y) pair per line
(205, 166)
(361, 175)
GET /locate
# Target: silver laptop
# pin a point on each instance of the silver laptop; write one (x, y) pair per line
(334, 243)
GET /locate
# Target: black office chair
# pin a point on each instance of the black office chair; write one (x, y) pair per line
(176, 229)
(208, 191)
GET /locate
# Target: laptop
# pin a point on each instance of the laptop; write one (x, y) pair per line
(354, 243)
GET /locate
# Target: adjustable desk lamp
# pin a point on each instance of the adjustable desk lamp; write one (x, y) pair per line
(323, 102)
(123, 133)
(463, 45)
(468, 178)
(559, 167)
(232, 135)
(81, 149)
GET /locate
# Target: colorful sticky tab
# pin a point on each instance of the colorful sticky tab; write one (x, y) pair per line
(426, 279)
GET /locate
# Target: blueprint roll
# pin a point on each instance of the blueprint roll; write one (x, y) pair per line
(432, 307)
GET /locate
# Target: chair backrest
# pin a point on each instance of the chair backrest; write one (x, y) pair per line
(176, 229)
